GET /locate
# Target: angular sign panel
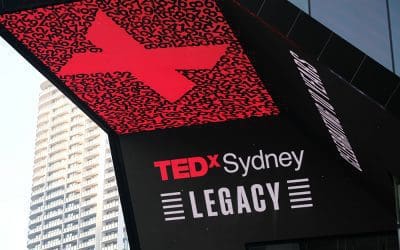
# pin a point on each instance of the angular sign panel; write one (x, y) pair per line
(143, 66)
(223, 133)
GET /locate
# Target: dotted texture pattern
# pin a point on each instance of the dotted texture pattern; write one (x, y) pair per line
(230, 90)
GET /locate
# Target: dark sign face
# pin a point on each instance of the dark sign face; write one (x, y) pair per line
(215, 149)
(241, 182)
(226, 185)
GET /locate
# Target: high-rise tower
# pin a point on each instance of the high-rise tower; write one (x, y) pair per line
(75, 201)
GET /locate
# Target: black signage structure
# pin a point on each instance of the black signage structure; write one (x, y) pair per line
(265, 179)
(222, 162)
(320, 168)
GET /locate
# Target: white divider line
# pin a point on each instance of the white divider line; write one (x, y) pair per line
(297, 180)
(300, 193)
(172, 206)
(298, 187)
(175, 218)
(301, 199)
(171, 200)
(170, 194)
(302, 206)
(174, 212)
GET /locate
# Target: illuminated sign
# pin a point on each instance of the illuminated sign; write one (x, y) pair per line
(119, 52)
(143, 66)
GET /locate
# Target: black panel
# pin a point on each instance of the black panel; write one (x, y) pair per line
(375, 81)
(280, 14)
(365, 244)
(384, 241)
(391, 242)
(341, 57)
(343, 203)
(310, 35)
(325, 244)
(394, 103)
(281, 246)
(252, 5)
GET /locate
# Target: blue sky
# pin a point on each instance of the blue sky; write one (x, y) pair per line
(20, 85)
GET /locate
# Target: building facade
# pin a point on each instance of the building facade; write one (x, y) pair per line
(358, 40)
(372, 26)
(75, 201)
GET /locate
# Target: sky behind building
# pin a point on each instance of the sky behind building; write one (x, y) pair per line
(20, 85)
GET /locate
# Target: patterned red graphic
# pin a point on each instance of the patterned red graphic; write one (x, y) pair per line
(214, 83)
(156, 68)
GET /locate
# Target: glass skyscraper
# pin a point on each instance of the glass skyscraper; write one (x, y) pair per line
(373, 26)
(359, 40)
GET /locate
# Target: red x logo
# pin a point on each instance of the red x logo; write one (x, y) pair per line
(157, 68)
(213, 161)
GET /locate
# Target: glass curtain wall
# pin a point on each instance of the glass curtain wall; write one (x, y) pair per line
(373, 26)
(394, 20)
